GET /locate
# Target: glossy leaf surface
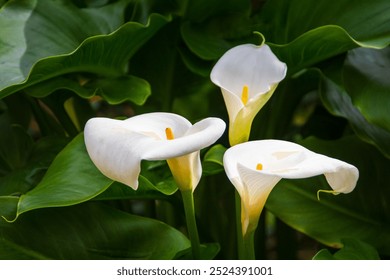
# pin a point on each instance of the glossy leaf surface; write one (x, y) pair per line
(88, 232)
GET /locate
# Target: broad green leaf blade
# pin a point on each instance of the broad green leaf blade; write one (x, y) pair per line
(141, 10)
(49, 86)
(301, 33)
(105, 55)
(195, 64)
(120, 191)
(29, 25)
(126, 88)
(320, 44)
(146, 190)
(72, 178)
(89, 231)
(201, 10)
(363, 214)
(339, 103)
(285, 20)
(311, 47)
(222, 24)
(11, 251)
(352, 250)
(195, 36)
(305, 32)
(114, 90)
(366, 78)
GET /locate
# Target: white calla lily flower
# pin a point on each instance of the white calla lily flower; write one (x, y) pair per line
(255, 167)
(117, 147)
(247, 75)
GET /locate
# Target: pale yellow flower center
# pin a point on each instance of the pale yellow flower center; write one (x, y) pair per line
(244, 95)
(259, 166)
(169, 133)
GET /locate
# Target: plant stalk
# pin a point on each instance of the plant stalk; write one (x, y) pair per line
(249, 246)
(240, 241)
(189, 209)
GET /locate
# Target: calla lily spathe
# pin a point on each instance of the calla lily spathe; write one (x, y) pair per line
(255, 167)
(247, 75)
(117, 147)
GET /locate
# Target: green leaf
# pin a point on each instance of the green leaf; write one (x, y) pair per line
(362, 214)
(339, 103)
(320, 44)
(156, 176)
(213, 160)
(195, 64)
(305, 32)
(220, 23)
(126, 88)
(195, 36)
(352, 250)
(141, 10)
(221, 33)
(27, 26)
(146, 190)
(72, 178)
(201, 10)
(49, 86)
(322, 35)
(366, 79)
(307, 50)
(114, 90)
(282, 21)
(87, 50)
(88, 231)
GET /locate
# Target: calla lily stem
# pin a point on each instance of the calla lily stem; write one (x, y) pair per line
(249, 246)
(240, 241)
(189, 209)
